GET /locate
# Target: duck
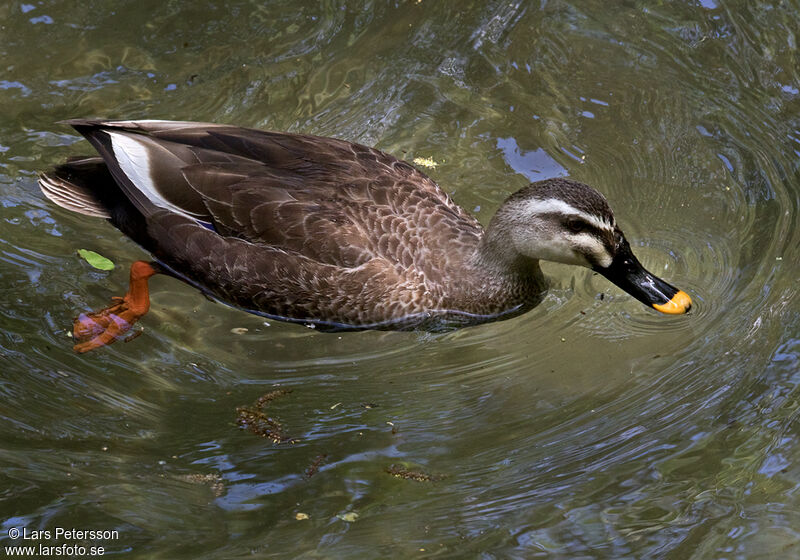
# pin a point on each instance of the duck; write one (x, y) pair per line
(328, 233)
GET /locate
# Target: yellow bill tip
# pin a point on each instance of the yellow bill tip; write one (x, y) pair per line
(680, 303)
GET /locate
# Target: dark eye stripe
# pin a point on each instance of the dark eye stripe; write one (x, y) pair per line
(579, 225)
(586, 227)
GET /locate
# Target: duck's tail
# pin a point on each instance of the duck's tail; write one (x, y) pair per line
(74, 185)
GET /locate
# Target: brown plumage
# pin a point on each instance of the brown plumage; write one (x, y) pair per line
(314, 229)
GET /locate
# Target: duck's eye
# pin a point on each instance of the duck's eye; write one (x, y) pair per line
(576, 226)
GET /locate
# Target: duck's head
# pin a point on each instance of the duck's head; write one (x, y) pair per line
(568, 222)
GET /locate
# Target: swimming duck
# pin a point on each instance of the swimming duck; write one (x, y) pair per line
(327, 232)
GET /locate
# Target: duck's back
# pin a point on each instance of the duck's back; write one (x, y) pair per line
(289, 225)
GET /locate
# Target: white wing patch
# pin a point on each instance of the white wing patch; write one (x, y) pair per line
(133, 124)
(158, 125)
(558, 206)
(133, 157)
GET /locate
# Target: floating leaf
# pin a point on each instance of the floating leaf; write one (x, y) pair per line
(425, 162)
(96, 260)
(349, 517)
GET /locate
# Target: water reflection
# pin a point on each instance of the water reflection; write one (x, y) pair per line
(533, 164)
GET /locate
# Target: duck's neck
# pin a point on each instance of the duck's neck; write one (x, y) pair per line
(504, 276)
(497, 256)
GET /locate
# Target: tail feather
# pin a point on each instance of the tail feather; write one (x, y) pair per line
(73, 185)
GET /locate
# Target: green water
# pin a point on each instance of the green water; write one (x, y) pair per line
(590, 427)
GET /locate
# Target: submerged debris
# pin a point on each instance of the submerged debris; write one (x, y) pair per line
(400, 471)
(260, 424)
(267, 398)
(213, 480)
(313, 468)
(253, 419)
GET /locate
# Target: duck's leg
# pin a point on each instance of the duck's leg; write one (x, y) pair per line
(106, 326)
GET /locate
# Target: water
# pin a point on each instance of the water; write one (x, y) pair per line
(589, 427)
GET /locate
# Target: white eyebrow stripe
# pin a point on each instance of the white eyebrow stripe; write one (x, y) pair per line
(558, 206)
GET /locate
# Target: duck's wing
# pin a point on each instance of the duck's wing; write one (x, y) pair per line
(327, 199)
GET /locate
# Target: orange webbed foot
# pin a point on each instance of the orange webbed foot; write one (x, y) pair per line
(100, 328)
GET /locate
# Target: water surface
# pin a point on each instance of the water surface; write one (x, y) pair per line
(590, 427)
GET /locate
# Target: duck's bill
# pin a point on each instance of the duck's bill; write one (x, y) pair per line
(627, 272)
